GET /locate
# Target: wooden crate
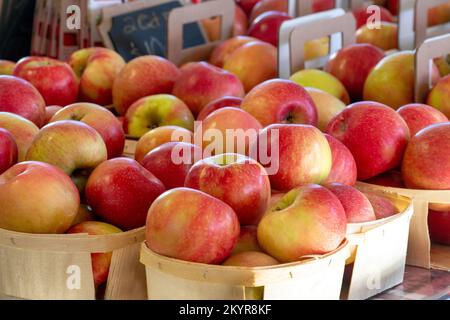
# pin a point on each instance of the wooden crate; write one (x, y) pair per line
(315, 278)
(59, 267)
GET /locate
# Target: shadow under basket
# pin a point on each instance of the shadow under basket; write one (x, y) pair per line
(315, 278)
(59, 267)
(421, 251)
(378, 251)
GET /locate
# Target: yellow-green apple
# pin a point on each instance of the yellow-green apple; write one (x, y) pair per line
(157, 111)
(8, 150)
(385, 37)
(392, 80)
(316, 48)
(193, 226)
(237, 180)
(439, 14)
(219, 104)
(142, 77)
(363, 14)
(352, 66)
(309, 220)
(120, 191)
(7, 67)
(322, 80)
(426, 164)
(20, 97)
(50, 111)
(276, 197)
(212, 26)
(439, 96)
(250, 259)
(36, 197)
(221, 53)
(382, 206)
(268, 5)
(159, 136)
(171, 162)
(357, 207)
(344, 169)
(73, 146)
(253, 63)
(439, 226)
(443, 64)
(327, 105)
(84, 214)
(248, 240)
(54, 79)
(374, 133)
(100, 261)
(280, 101)
(266, 26)
(302, 155)
(418, 116)
(101, 120)
(97, 68)
(391, 178)
(247, 5)
(22, 130)
(228, 130)
(200, 83)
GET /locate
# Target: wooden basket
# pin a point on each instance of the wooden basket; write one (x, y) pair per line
(378, 250)
(421, 252)
(58, 267)
(315, 278)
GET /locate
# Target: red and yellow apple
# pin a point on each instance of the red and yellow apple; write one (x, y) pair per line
(385, 37)
(120, 191)
(156, 111)
(250, 259)
(8, 150)
(439, 96)
(344, 169)
(97, 68)
(21, 97)
(268, 5)
(222, 52)
(7, 67)
(212, 26)
(193, 226)
(37, 197)
(280, 101)
(50, 111)
(363, 14)
(248, 240)
(418, 116)
(54, 79)
(382, 206)
(220, 103)
(201, 83)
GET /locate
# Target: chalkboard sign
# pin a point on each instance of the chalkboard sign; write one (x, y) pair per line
(142, 30)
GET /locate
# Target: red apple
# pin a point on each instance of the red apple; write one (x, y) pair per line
(120, 191)
(7, 67)
(250, 259)
(358, 208)
(388, 179)
(344, 168)
(54, 79)
(382, 207)
(101, 120)
(219, 104)
(37, 197)
(280, 101)
(374, 133)
(309, 220)
(8, 150)
(228, 130)
(439, 226)
(393, 6)
(201, 83)
(352, 66)
(97, 68)
(20, 97)
(157, 111)
(100, 261)
(419, 116)
(191, 225)
(253, 63)
(221, 53)
(240, 24)
(426, 164)
(22, 130)
(240, 182)
(247, 5)
(248, 240)
(142, 77)
(266, 26)
(171, 162)
(303, 155)
(50, 111)
(363, 14)
(159, 136)
(268, 5)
